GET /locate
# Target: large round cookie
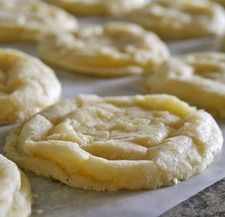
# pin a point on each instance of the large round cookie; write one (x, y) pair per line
(179, 19)
(196, 78)
(113, 143)
(26, 86)
(15, 193)
(30, 20)
(99, 7)
(114, 49)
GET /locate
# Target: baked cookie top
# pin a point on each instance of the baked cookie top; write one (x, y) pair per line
(113, 49)
(198, 78)
(112, 143)
(15, 194)
(99, 7)
(26, 86)
(180, 19)
(30, 20)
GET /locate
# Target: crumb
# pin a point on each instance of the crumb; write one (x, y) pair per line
(35, 195)
(39, 211)
(176, 181)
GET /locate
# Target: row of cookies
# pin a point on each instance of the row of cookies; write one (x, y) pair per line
(30, 20)
(27, 86)
(119, 48)
(112, 49)
(157, 138)
(117, 26)
(70, 141)
(177, 19)
(118, 7)
(23, 89)
(106, 51)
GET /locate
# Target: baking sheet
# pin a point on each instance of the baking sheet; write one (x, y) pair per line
(53, 199)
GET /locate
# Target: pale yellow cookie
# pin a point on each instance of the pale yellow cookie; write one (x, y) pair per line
(26, 86)
(181, 19)
(196, 78)
(15, 192)
(114, 49)
(30, 20)
(113, 143)
(99, 7)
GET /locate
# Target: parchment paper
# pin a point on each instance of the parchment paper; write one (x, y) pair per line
(53, 199)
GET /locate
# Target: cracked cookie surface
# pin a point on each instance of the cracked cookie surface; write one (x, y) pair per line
(113, 143)
(15, 194)
(114, 49)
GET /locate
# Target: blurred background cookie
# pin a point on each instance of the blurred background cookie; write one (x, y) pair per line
(30, 20)
(197, 78)
(113, 49)
(179, 19)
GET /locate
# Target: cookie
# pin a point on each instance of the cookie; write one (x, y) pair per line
(15, 194)
(113, 143)
(26, 86)
(180, 19)
(114, 49)
(99, 7)
(28, 21)
(196, 78)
